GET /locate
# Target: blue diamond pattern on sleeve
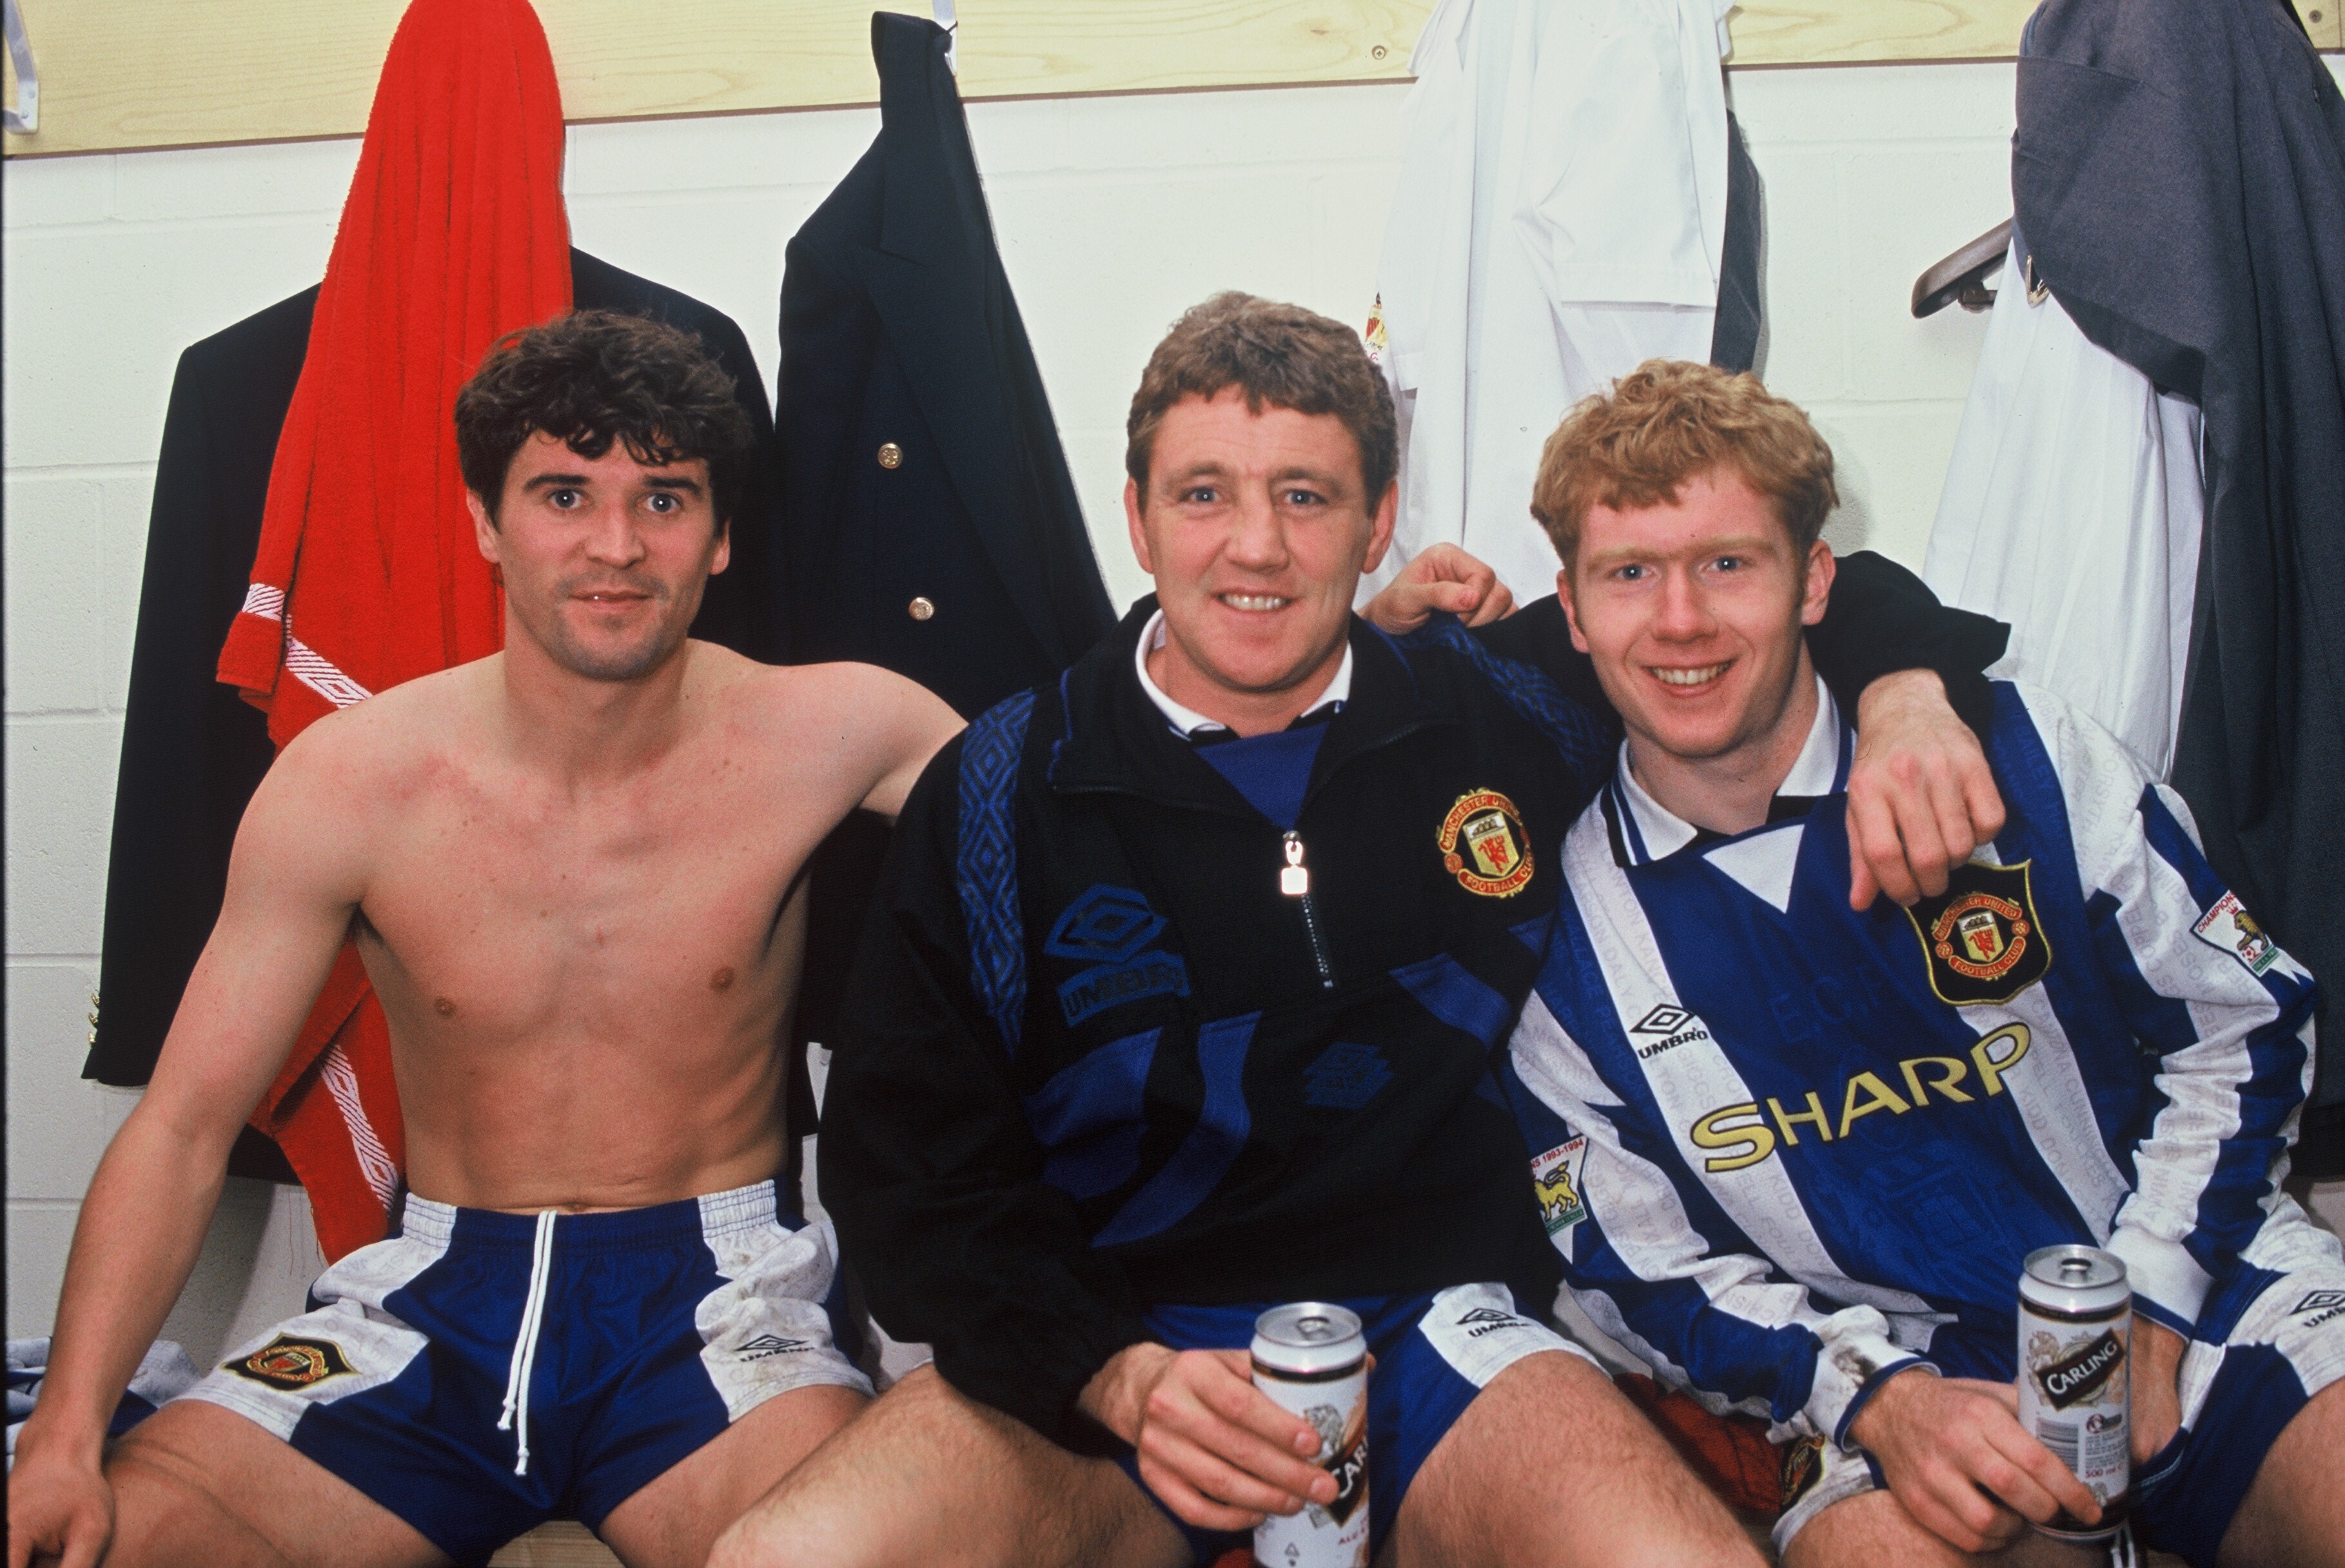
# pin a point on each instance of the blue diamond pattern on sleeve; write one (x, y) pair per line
(987, 870)
(1578, 735)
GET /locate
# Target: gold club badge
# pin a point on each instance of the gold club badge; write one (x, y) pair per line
(1483, 846)
(1981, 936)
(288, 1363)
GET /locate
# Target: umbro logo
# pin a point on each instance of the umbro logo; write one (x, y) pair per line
(1488, 1321)
(1676, 1026)
(765, 1345)
(2321, 1305)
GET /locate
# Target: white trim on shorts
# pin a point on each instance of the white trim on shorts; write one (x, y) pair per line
(1480, 1332)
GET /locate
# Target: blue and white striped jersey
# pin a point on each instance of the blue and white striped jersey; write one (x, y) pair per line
(1784, 1146)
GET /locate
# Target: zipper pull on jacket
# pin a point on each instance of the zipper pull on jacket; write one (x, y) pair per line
(1294, 881)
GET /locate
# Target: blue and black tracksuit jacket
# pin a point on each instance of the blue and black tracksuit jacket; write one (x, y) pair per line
(1094, 1059)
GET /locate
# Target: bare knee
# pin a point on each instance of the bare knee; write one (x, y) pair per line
(765, 1537)
(864, 1499)
(926, 1475)
(2294, 1513)
(167, 1514)
(1871, 1527)
(1489, 1493)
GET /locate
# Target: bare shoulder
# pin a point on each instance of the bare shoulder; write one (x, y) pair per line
(798, 697)
(372, 745)
(352, 772)
(877, 726)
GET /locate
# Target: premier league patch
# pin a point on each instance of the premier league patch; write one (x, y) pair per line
(1483, 846)
(291, 1365)
(1555, 1180)
(2232, 929)
(1981, 937)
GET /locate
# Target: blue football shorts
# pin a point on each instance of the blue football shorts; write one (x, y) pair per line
(481, 1372)
(1434, 1352)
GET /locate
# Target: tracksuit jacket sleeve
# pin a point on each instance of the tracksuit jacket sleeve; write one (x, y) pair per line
(1881, 618)
(930, 1170)
(1642, 1268)
(2226, 1014)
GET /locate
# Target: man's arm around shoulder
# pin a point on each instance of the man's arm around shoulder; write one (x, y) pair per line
(1910, 669)
(885, 727)
(295, 878)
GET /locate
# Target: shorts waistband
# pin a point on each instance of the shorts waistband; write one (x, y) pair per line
(711, 1217)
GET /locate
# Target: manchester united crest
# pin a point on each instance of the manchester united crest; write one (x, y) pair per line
(291, 1364)
(1803, 1466)
(1981, 936)
(1483, 846)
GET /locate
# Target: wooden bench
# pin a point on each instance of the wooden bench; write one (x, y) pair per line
(562, 1544)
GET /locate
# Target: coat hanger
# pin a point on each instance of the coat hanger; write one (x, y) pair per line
(1961, 278)
(942, 10)
(24, 117)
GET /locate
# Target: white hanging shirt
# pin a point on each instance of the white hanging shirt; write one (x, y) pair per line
(1561, 219)
(2072, 509)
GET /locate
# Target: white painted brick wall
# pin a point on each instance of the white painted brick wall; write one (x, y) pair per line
(1113, 215)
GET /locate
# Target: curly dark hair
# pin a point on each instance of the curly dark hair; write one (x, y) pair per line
(1283, 355)
(594, 377)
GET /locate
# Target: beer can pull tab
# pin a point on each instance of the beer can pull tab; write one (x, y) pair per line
(1294, 879)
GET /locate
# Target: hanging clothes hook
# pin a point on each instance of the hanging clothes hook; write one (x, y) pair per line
(1961, 278)
(942, 10)
(25, 118)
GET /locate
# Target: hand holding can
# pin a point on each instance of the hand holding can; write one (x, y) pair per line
(1312, 1359)
(2075, 1330)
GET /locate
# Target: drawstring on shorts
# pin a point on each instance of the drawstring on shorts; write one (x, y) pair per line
(516, 1418)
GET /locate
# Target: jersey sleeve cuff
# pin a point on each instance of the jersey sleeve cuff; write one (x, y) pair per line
(2168, 1283)
(1852, 1364)
(1871, 1386)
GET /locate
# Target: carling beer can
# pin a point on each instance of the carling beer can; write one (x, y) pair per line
(1311, 1357)
(2075, 1332)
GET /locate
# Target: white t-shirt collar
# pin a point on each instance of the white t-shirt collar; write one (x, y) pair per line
(1815, 772)
(1186, 721)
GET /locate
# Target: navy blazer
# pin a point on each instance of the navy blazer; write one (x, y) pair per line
(928, 521)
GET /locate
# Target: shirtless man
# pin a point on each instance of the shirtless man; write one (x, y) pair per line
(574, 873)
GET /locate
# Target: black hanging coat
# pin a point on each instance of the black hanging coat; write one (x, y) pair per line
(2179, 178)
(929, 523)
(192, 750)
(1734, 337)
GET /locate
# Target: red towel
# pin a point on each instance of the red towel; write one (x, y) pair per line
(366, 574)
(1729, 1452)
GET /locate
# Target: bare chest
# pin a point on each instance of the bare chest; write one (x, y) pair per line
(523, 913)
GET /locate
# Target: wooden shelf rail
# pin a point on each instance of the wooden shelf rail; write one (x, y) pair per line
(119, 75)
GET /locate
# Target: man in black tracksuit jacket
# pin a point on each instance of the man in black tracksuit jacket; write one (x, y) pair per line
(1157, 1026)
